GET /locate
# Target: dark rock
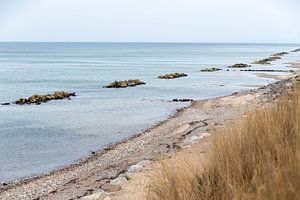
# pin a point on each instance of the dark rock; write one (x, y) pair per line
(5, 104)
(296, 50)
(279, 54)
(213, 69)
(38, 99)
(182, 100)
(266, 61)
(239, 65)
(265, 70)
(124, 84)
(172, 76)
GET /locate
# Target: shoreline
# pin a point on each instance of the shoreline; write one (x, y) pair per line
(73, 174)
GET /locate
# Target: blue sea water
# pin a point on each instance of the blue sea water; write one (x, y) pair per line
(38, 138)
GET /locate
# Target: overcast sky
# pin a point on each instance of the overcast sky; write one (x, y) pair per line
(150, 20)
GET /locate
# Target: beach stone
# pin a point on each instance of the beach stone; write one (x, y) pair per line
(194, 138)
(124, 84)
(119, 181)
(172, 76)
(135, 168)
(111, 187)
(144, 163)
(100, 195)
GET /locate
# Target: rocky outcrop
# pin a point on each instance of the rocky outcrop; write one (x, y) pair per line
(296, 50)
(280, 54)
(124, 84)
(266, 70)
(38, 99)
(213, 69)
(172, 76)
(266, 61)
(239, 65)
(182, 100)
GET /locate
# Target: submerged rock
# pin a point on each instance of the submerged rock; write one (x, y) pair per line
(265, 70)
(239, 65)
(296, 50)
(124, 84)
(213, 69)
(182, 100)
(38, 99)
(172, 76)
(267, 61)
(280, 54)
(5, 104)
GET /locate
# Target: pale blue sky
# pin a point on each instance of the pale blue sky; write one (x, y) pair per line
(150, 20)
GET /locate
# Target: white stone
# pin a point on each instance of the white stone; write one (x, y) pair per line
(119, 181)
(194, 138)
(101, 195)
(205, 134)
(135, 168)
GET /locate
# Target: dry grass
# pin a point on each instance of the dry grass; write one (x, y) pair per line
(258, 157)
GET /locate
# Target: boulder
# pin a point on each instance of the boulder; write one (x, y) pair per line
(135, 168)
(119, 181)
(213, 69)
(172, 76)
(239, 65)
(38, 99)
(124, 84)
(111, 187)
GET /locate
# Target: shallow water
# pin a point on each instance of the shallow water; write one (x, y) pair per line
(38, 138)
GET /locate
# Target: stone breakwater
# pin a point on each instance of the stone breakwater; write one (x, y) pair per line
(172, 76)
(38, 99)
(213, 69)
(124, 84)
(239, 65)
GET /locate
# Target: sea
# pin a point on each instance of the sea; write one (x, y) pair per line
(36, 139)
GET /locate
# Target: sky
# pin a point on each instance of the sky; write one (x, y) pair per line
(150, 20)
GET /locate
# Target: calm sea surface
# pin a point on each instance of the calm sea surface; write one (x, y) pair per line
(38, 138)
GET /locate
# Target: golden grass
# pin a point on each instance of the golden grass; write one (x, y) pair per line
(257, 157)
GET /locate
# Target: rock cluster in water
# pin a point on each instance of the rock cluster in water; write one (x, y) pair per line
(172, 76)
(124, 84)
(265, 70)
(296, 50)
(239, 65)
(213, 69)
(182, 100)
(267, 61)
(279, 54)
(38, 99)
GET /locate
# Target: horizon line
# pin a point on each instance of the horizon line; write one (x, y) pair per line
(158, 42)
